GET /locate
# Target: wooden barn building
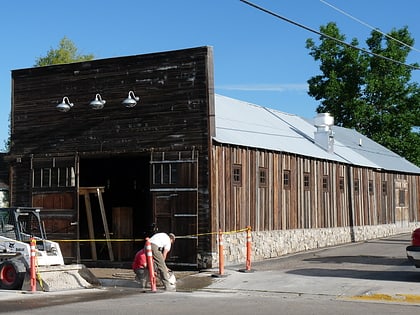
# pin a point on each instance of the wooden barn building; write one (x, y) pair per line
(112, 149)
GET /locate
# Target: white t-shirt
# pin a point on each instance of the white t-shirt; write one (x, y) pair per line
(161, 240)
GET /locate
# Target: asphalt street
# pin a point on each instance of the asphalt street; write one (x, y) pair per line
(373, 271)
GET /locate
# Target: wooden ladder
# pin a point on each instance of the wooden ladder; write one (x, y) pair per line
(86, 191)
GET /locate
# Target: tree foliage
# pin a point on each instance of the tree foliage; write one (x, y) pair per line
(66, 52)
(7, 141)
(366, 92)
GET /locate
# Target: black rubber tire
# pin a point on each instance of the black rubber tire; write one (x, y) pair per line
(11, 277)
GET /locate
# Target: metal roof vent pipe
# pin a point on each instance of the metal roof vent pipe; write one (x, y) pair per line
(324, 136)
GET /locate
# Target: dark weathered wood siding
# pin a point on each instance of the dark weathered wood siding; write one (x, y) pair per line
(172, 112)
(175, 114)
(330, 200)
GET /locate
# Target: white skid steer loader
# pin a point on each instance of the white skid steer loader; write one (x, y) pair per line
(17, 226)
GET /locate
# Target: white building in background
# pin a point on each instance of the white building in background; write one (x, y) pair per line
(4, 195)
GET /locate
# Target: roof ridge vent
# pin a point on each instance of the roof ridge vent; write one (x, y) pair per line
(324, 136)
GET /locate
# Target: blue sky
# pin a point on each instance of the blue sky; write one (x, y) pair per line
(257, 57)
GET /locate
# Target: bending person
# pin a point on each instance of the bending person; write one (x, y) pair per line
(161, 245)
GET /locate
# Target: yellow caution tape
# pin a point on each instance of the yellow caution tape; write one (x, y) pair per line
(142, 239)
(103, 240)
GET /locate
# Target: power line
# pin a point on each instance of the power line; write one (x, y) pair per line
(328, 36)
(369, 26)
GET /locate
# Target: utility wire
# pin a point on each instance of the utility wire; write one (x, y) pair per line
(369, 26)
(328, 36)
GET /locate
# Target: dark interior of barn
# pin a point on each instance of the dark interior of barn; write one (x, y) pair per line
(126, 201)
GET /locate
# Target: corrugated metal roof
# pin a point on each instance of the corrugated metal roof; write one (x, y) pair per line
(250, 125)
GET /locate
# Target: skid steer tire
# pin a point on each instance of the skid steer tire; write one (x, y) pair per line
(11, 275)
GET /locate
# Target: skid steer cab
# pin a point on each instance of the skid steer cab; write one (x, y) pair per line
(17, 226)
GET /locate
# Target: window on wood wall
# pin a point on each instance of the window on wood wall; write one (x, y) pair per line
(53, 177)
(385, 188)
(263, 177)
(325, 183)
(370, 186)
(401, 198)
(341, 184)
(164, 174)
(286, 179)
(306, 181)
(356, 185)
(237, 175)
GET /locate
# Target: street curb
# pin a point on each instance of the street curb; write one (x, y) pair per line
(395, 298)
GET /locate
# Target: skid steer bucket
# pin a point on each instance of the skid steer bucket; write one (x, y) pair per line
(59, 278)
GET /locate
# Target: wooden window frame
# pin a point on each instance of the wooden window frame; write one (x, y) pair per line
(286, 180)
(262, 177)
(385, 188)
(371, 187)
(401, 198)
(306, 181)
(356, 185)
(164, 174)
(325, 183)
(237, 175)
(341, 184)
(53, 177)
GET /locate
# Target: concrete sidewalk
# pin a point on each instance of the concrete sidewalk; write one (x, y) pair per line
(290, 283)
(376, 270)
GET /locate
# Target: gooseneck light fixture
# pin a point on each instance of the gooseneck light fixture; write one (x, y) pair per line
(98, 102)
(131, 100)
(65, 105)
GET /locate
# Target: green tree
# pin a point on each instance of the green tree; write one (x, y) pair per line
(66, 52)
(7, 141)
(371, 93)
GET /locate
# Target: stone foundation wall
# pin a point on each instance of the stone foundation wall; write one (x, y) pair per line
(271, 244)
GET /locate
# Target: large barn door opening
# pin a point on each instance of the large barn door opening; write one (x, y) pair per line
(174, 188)
(54, 189)
(124, 207)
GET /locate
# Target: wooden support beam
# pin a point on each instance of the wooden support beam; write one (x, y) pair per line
(86, 191)
(90, 227)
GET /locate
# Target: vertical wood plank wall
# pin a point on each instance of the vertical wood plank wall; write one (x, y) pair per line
(323, 204)
(175, 113)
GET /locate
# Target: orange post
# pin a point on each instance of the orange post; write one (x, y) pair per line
(221, 254)
(150, 265)
(33, 264)
(248, 248)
